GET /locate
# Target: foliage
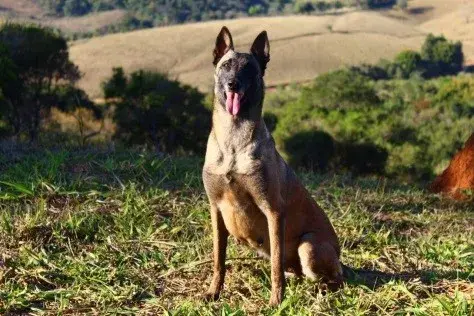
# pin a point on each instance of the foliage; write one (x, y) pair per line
(416, 128)
(402, 4)
(340, 89)
(153, 110)
(42, 67)
(446, 57)
(406, 64)
(438, 57)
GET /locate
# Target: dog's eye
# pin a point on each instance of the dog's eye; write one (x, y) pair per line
(227, 65)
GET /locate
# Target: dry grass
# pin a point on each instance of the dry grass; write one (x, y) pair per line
(456, 25)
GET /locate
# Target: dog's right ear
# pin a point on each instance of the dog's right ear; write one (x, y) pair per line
(223, 44)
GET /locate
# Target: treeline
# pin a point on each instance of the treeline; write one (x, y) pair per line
(149, 13)
(438, 57)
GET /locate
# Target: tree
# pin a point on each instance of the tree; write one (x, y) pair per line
(402, 4)
(444, 57)
(42, 64)
(406, 63)
(76, 7)
(153, 110)
(8, 81)
(341, 89)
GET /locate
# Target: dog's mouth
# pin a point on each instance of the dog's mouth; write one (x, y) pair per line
(233, 102)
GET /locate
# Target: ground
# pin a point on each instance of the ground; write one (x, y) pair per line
(102, 231)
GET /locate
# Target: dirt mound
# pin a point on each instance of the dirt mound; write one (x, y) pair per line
(459, 176)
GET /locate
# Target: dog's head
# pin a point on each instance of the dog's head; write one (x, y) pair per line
(239, 76)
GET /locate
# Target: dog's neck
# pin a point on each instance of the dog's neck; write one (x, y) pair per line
(234, 134)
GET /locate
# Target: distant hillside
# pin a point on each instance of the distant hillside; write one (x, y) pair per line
(99, 17)
(301, 46)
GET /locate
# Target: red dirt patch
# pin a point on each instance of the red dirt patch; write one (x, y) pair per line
(459, 176)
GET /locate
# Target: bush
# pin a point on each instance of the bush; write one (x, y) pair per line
(406, 64)
(42, 66)
(438, 57)
(413, 132)
(310, 149)
(443, 57)
(341, 89)
(153, 110)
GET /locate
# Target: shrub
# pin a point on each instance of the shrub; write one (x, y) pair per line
(407, 63)
(42, 66)
(402, 4)
(413, 132)
(310, 149)
(443, 57)
(341, 89)
(153, 110)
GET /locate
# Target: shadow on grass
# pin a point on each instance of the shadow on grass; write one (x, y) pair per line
(373, 279)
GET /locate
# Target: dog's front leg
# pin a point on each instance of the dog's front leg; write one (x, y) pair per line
(276, 224)
(220, 235)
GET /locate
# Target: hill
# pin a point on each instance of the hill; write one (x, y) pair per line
(301, 47)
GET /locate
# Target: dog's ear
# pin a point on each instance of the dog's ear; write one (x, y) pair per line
(261, 50)
(223, 44)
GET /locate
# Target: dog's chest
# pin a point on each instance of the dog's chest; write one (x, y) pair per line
(242, 218)
(227, 163)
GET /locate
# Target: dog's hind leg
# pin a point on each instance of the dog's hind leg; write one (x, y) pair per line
(320, 259)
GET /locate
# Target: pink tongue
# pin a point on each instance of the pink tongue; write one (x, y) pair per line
(233, 103)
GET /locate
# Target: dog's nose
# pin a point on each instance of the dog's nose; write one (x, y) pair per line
(233, 85)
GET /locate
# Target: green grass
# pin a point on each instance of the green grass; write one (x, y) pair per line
(96, 232)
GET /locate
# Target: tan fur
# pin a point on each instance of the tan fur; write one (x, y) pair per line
(257, 198)
(459, 175)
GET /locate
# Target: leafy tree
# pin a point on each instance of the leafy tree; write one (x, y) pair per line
(341, 88)
(402, 4)
(154, 110)
(443, 57)
(407, 63)
(76, 7)
(42, 66)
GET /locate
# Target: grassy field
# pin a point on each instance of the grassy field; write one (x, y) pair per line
(113, 232)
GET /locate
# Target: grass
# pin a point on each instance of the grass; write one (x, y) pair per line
(123, 232)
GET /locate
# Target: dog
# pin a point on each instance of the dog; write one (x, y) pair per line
(253, 194)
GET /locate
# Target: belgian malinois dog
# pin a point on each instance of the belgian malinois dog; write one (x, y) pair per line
(253, 193)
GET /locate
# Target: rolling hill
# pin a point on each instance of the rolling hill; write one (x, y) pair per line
(301, 46)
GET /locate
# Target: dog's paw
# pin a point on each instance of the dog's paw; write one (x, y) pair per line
(275, 300)
(210, 296)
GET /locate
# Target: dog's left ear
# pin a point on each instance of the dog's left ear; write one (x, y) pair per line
(261, 50)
